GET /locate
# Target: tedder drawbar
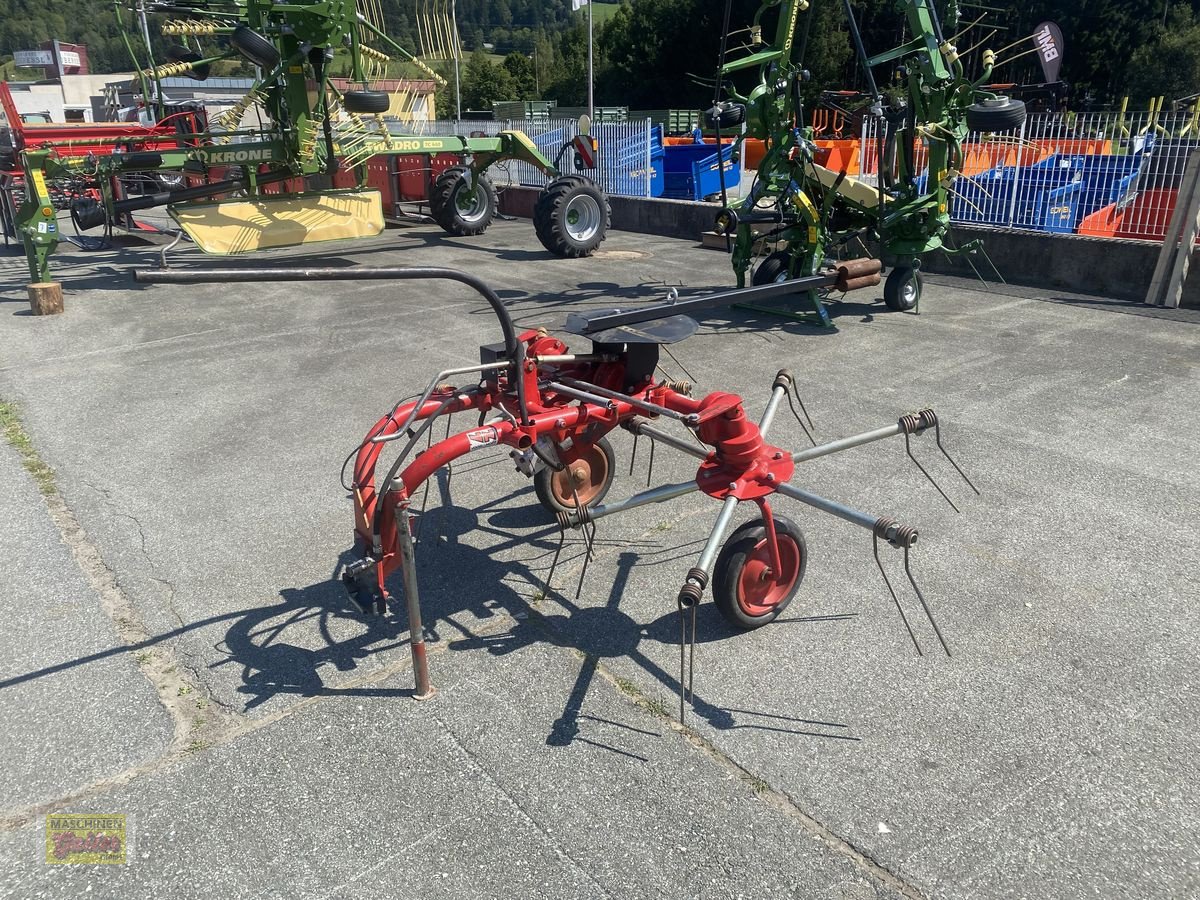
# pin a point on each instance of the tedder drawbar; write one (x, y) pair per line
(235, 187)
(552, 409)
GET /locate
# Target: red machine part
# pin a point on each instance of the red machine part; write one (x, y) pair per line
(741, 464)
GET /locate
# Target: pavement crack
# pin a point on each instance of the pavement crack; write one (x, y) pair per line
(474, 762)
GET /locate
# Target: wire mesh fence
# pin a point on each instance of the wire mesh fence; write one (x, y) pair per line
(1112, 175)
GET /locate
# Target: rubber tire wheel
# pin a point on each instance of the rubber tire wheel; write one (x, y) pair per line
(893, 289)
(732, 560)
(545, 493)
(177, 53)
(1002, 114)
(443, 204)
(550, 209)
(770, 269)
(370, 102)
(725, 116)
(254, 47)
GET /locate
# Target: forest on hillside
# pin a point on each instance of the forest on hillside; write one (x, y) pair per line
(656, 53)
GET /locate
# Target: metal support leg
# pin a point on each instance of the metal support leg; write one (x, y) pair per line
(412, 600)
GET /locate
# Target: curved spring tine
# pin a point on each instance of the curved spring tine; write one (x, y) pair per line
(895, 599)
(799, 421)
(921, 597)
(937, 434)
(908, 450)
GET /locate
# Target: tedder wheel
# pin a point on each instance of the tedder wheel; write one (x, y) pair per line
(592, 475)
(771, 270)
(902, 290)
(571, 217)
(370, 102)
(254, 47)
(459, 210)
(747, 591)
(998, 114)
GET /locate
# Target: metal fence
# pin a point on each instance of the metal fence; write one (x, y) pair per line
(1097, 174)
(624, 159)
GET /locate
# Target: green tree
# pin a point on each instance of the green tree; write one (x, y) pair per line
(484, 82)
(520, 69)
(1170, 65)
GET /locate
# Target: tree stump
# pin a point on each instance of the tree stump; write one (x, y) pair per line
(46, 298)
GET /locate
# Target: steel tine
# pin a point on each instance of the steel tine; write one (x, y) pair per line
(691, 696)
(562, 540)
(908, 450)
(633, 456)
(799, 421)
(800, 400)
(895, 599)
(584, 521)
(682, 662)
(689, 375)
(921, 597)
(937, 434)
(650, 468)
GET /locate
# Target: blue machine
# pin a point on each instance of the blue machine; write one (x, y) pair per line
(691, 172)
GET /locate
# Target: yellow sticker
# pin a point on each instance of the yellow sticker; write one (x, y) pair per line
(39, 182)
(85, 839)
(812, 234)
(296, 70)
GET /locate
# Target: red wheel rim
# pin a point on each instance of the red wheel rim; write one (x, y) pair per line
(759, 589)
(589, 473)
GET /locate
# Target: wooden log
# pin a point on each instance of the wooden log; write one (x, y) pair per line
(46, 298)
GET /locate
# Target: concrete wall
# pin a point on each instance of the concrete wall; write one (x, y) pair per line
(1106, 268)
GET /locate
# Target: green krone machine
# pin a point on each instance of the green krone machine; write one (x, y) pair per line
(813, 212)
(211, 174)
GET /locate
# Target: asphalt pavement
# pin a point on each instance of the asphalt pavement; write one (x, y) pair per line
(181, 651)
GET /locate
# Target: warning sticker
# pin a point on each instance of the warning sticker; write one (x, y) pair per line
(482, 437)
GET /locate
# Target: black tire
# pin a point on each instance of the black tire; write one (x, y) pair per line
(725, 115)
(771, 270)
(87, 213)
(254, 47)
(1000, 114)
(552, 487)
(369, 102)
(742, 550)
(451, 188)
(902, 290)
(177, 53)
(571, 217)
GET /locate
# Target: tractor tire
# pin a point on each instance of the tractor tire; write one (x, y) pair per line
(771, 270)
(254, 47)
(178, 53)
(572, 217)
(725, 115)
(369, 102)
(458, 213)
(747, 593)
(1000, 114)
(902, 290)
(593, 475)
